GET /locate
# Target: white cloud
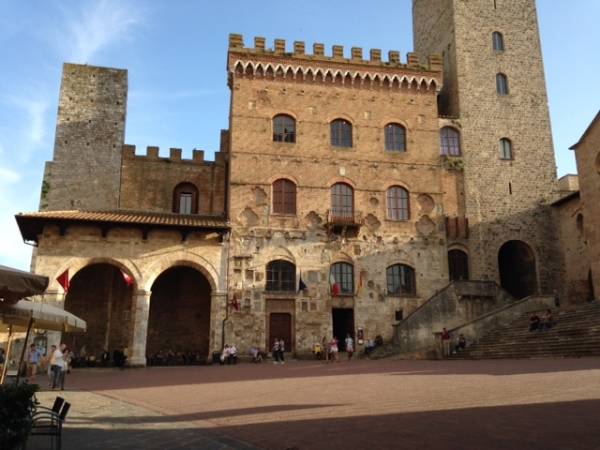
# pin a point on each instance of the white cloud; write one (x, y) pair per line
(96, 26)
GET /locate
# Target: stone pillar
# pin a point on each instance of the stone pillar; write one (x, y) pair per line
(141, 310)
(217, 314)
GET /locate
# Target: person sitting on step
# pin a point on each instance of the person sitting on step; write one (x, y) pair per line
(534, 322)
(547, 321)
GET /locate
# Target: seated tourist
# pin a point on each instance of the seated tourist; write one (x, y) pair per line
(378, 341)
(461, 343)
(225, 354)
(369, 346)
(534, 322)
(232, 354)
(547, 321)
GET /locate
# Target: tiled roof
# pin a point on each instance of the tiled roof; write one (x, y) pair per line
(31, 224)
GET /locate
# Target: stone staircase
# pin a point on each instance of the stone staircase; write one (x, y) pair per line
(576, 333)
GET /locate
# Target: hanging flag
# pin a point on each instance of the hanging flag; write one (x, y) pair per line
(127, 278)
(63, 280)
(234, 303)
(334, 286)
(302, 286)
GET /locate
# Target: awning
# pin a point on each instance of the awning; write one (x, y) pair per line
(16, 284)
(42, 316)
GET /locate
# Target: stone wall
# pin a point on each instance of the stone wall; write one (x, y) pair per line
(90, 127)
(166, 173)
(587, 154)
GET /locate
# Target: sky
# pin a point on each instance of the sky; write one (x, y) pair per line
(175, 52)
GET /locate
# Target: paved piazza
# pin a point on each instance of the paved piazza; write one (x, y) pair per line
(525, 404)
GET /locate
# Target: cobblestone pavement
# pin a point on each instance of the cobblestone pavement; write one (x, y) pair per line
(466, 405)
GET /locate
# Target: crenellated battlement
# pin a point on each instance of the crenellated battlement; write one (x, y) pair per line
(279, 64)
(153, 154)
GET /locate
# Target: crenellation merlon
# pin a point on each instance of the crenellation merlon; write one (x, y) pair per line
(175, 156)
(236, 46)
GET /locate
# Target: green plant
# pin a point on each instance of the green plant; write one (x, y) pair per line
(16, 408)
(45, 189)
(454, 163)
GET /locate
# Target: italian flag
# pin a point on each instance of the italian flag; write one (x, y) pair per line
(334, 285)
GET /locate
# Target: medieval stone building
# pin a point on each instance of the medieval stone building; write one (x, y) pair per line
(349, 190)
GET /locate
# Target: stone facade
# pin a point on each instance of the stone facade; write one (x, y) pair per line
(470, 204)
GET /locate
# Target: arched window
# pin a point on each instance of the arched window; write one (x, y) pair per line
(449, 142)
(341, 278)
(284, 128)
(498, 41)
(284, 197)
(401, 280)
(398, 206)
(342, 201)
(341, 133)
(185, 199)
(395, 137)
(502, 84)
(506, 149)
(458, 265)
(281, 276)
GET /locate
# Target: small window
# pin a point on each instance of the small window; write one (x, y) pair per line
(185, 199)
(284, 128)
(498, 41)
(458, 265)
(342, 278)
(401, 280)
(395, 138)
(341, 133)
(449, 142)
(398, 206)
(284, 197)
(506, 149)
(281, 276)
(502, 84)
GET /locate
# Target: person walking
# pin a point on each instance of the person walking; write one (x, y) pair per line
(33, 360)
(281, 351)
(275, 351)
(57, 363)
(445, 342)
(335, 351)
(349, 346)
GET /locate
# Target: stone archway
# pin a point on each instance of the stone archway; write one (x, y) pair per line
(100, 295)
(179, 315)
(516, 263)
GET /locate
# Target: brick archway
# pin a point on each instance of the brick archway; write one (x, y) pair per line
(179, 314)
(100, 295)
(516, 262)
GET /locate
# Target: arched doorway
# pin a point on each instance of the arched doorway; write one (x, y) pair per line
(458, 265)
(100, 295)
(179, 318)
(516, 262)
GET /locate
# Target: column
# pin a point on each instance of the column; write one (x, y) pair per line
(141, 310)
(217, 314)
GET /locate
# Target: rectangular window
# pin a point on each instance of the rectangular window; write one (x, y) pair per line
(185, 203)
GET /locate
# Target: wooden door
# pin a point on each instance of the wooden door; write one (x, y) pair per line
(280, 327)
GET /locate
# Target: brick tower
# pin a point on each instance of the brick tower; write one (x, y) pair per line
(495, 95)
(85, 171)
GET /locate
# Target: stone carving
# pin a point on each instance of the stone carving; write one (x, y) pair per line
(425, 226)
(372, 222)
(426, 203)
(312, 220)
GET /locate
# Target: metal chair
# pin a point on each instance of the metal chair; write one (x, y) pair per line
(49, 423)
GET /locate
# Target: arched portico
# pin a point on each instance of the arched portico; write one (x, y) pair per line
(517, 266)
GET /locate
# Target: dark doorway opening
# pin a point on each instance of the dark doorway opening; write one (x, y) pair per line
(179, 318)
(99, 294)
(458, 265)
(280, 327)
(516, 262)
(343, 325)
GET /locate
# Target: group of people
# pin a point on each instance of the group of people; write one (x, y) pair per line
(459, 346)
(229, 355)
(57, 364)
(171, 358)
(278, 351)
(543, 323)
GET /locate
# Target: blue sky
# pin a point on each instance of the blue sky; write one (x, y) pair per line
(175, 52)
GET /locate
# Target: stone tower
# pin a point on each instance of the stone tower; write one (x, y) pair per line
(506, 197)
(85, 171)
